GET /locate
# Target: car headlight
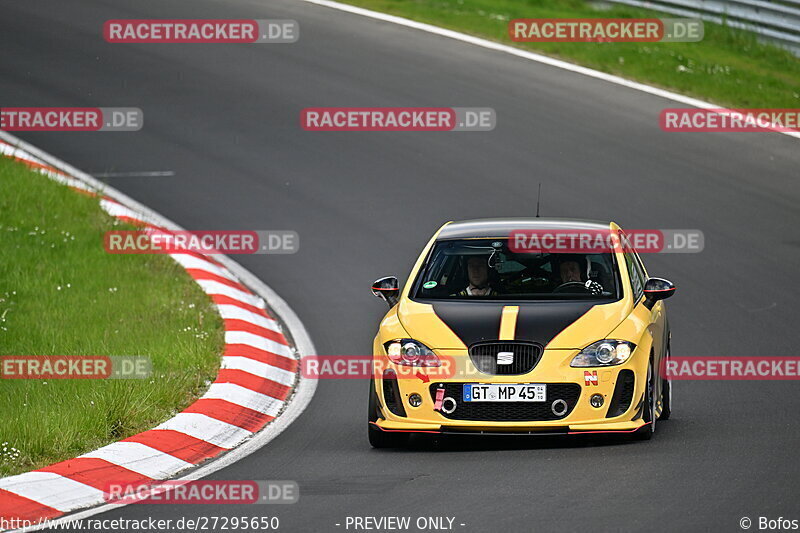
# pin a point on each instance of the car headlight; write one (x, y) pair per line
(411, 353)
(607, 352)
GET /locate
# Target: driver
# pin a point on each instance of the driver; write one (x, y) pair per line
(571, 271)
(478, 274)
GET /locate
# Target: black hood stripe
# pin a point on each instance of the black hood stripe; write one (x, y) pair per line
(471, 321)
(480, 321)
(543, 321)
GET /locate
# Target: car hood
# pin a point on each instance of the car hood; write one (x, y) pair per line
(554, 325)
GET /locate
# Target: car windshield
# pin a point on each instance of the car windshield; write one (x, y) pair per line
(485, 269)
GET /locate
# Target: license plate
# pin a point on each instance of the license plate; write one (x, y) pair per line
(502, 392)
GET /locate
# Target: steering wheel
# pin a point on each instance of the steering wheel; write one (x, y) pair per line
(592, 287)
(571, 286)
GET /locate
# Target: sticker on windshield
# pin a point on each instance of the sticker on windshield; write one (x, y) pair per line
(429, 284)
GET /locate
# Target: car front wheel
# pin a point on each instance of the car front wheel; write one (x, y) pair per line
(666, 394)
(649, 414)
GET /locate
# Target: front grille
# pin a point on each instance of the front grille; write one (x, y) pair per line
(623, 394)
(524, 357)
(509, 411)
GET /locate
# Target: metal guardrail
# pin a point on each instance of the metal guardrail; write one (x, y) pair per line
(776, 20)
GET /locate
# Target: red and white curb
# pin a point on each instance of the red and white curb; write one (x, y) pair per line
(257, 393)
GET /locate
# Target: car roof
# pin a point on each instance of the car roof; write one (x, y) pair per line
(501, 227)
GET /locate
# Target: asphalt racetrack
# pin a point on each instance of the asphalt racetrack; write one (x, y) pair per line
(225, 120)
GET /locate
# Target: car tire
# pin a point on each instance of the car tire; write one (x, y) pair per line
(649, 407)
(377, 437)
(666, 394)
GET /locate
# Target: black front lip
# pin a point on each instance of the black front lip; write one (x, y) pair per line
(554, 431)
(549, 432)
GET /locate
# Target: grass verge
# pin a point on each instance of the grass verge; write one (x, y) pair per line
(62, 294)
(729, 67)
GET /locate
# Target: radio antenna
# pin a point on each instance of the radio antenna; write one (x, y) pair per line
(538, 198)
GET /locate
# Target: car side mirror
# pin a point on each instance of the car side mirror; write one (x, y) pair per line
(387, 289)
(657, 289)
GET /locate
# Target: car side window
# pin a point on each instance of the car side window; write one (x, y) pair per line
(637, 284)
(635, 271)
(640, 266)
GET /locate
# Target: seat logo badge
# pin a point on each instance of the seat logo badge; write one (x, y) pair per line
(590, 377)
(505, 358)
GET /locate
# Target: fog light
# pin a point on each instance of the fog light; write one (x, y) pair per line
(596, 400)
(415, 400)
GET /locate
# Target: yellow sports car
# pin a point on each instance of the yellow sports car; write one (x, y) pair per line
(486, 337)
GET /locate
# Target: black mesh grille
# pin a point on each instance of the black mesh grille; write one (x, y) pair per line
(391, 395)
(523, 358)
(623, 394)
(509, 411)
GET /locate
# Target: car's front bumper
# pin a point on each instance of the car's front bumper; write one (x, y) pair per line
(552, 369)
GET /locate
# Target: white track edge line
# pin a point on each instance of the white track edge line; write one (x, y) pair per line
(532, 56)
